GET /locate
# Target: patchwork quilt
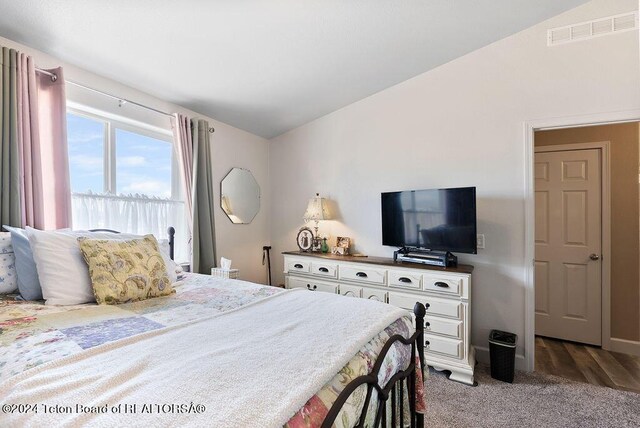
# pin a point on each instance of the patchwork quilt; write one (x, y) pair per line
(33, 334)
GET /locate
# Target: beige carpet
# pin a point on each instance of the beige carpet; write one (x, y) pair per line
(533, 400)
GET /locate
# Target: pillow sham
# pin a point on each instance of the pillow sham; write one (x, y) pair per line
(26, 271)
(173, 269)
(8, 277)
(124, 271)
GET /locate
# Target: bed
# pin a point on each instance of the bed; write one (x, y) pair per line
(218, 352)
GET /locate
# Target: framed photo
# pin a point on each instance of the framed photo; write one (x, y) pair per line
(317, 245)
(343, 242)
(305, 239)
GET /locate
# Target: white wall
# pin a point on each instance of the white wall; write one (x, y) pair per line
(232, 147)
(458, 125)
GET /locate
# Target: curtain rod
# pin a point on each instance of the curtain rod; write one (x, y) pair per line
(121, 101)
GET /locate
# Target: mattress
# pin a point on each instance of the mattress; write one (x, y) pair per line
(36, 338)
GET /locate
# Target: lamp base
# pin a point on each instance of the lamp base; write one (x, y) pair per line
(317, 241)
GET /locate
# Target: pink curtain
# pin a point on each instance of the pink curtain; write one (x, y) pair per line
(42, 143)
(184, 146)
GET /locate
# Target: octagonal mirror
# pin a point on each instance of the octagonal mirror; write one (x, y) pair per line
(240, 196)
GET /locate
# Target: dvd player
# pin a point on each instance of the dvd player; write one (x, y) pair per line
(425, 257)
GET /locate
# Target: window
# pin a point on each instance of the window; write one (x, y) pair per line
(86, 153)
(124, 177)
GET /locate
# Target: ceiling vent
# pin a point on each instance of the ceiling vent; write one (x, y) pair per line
(596, 28)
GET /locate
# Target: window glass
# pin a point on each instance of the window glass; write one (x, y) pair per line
(86, 153)
(143, 165)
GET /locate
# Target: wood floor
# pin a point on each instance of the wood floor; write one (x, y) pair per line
(589, 364)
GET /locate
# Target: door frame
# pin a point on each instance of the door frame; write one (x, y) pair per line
(529, 128)
(605, 227)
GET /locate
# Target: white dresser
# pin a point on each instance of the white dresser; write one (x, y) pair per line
(446, 293)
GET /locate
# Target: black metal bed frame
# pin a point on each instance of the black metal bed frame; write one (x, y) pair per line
(394, 388)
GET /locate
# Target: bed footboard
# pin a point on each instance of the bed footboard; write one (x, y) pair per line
(394, 388)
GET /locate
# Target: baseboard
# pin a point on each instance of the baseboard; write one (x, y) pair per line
(482, 355)
(624, 346)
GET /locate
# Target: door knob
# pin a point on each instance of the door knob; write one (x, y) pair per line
(594, 256)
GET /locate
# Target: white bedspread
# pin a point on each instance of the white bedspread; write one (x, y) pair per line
(250, 367)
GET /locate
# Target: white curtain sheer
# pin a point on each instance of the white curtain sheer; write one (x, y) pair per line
(139, 214)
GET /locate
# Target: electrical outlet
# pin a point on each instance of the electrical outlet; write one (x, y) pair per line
(480, 240)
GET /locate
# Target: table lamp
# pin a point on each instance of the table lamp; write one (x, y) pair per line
(316, 211)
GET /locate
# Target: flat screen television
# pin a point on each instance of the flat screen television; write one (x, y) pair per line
(435, 219)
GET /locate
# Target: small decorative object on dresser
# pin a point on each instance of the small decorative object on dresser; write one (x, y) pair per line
(445, 292)
(325, 246)
(338, 251)
(343, 242)
(317, 245)
(305, 239)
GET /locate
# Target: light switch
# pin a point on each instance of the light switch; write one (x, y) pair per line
(480, 240)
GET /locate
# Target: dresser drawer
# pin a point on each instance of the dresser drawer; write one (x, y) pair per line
(363, 274)
(405, 301)
(443, 326)
(298, 265)
(350, 290)
(313, 285)
(445, 308)
(380, 296)
(324, 269)
(445, 285)
(443, 346)
(403, 279)
(433, 305)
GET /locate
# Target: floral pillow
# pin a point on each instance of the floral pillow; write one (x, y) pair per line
(8, 277)
(125, 270)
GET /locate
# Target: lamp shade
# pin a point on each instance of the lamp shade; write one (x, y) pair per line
(316, 209)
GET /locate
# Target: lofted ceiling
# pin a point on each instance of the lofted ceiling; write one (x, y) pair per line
(265, 66)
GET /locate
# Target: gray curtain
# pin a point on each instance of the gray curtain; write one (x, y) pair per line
(204, 239)
(10, 209)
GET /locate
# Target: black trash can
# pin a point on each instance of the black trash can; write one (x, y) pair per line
(502, 351)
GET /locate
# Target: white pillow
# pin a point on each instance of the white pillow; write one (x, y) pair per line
(173, 269)
(63, 274)
(8, 276)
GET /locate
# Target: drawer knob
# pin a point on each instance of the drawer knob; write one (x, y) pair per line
(297, 266)
(426, 305)
(427, 324)
(441, 284)
(311, 289)
(427, 343)
(323, 269)
(361, 275)
(405, 279)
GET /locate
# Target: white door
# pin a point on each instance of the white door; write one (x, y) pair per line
(568, 279)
